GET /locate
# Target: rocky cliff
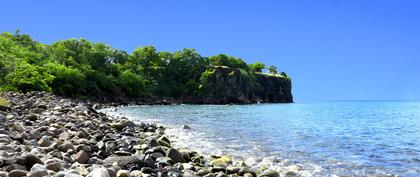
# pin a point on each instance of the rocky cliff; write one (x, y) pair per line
(226, 85)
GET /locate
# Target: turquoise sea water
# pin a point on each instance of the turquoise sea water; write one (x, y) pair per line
(351, 138)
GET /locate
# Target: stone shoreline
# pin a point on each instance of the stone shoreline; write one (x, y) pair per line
(45, 135)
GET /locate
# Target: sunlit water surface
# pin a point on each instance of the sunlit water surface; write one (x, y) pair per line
(365, 138)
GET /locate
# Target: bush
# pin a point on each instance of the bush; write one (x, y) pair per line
(133, 85)
(67, 81)
(27, 77)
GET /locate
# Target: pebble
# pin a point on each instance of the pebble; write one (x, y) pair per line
(74, 140)
(123, 173)
(82, 157)
(99, 172)
(17, 173)
(52, 164)
(37, 170)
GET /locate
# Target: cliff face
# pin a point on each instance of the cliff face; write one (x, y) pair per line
(227, 85)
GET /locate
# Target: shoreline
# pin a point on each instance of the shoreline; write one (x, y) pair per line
(193, 139)
(45, 135)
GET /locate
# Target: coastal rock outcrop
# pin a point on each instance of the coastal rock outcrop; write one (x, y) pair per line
(227, 85)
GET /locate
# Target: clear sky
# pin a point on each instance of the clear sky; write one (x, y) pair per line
(332, 49)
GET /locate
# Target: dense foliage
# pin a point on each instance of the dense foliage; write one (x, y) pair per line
(83, 69)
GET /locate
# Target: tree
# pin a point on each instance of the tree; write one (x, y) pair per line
(27, 77)
(284, 74)
(272, 69)
(133, 84)
(257, 67)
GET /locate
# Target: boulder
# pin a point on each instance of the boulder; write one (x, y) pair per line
(175, 155)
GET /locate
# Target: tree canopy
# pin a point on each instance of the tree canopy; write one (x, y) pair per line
(83, 69)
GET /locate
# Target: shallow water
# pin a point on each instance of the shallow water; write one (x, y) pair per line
(357, 138)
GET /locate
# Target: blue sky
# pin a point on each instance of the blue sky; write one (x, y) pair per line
(333, 49)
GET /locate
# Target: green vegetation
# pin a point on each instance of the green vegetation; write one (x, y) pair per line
(3, 102)
(257, 67)
(272, 69)
(89, 70)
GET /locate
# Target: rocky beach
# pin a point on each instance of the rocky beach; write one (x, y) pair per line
(45, 135)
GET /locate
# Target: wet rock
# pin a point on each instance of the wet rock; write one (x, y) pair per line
(232, 169)
(291, 173)
(269, 173)
(175, 155)
(82, 157)
(99, 172)
(245, 170)
(152, 142)
(17, 173)
(221, 162)
(53, 164)
(122, 124)
(186, 127)
(218, 169)
(164, 141)
(203, 171)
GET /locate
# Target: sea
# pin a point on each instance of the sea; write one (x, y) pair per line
(305, 138)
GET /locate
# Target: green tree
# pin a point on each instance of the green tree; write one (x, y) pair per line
(26, 77)
(133, 85)
(272, 69)
(67, 81)
(257, 67)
